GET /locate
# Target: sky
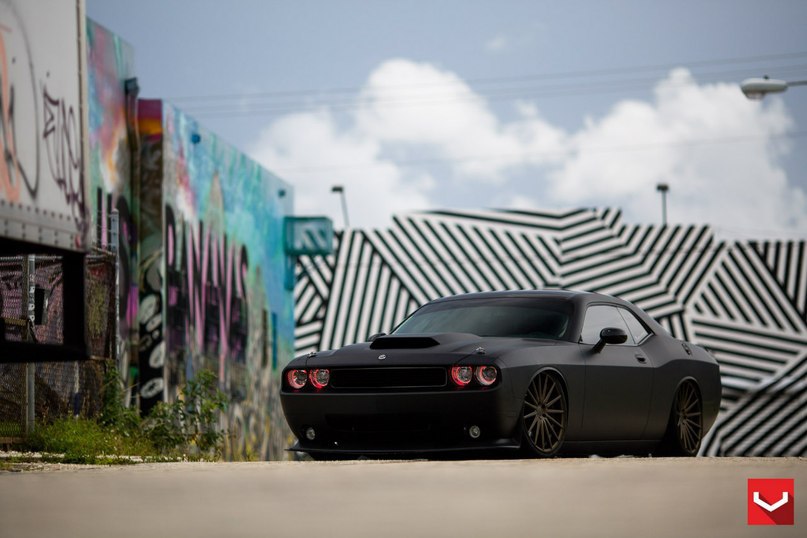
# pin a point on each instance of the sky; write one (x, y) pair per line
(505, 104)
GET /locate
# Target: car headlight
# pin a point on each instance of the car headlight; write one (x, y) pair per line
(486, 375)
(462, 375)
(297, 378)
(320, 377)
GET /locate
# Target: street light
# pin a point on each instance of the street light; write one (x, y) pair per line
(341, 191)
(663, 188)
(757, 88)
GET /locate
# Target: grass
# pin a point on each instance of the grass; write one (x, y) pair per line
(81, 440)
(179, 431)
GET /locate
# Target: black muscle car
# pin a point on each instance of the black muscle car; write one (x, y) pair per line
(548, 372)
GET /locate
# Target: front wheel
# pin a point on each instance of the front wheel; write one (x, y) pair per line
(685, 429)
(544, 416)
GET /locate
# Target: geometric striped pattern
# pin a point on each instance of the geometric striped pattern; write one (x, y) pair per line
(745, 301)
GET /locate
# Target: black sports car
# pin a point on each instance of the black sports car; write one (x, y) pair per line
(545, 371)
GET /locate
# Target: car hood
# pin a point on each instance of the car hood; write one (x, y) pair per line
(419, 349)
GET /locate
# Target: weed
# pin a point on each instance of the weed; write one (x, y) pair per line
(171, 432)
(191, 421)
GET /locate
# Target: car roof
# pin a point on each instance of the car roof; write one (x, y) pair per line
(575, 295)
(580, 299)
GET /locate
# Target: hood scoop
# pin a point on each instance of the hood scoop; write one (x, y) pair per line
(404, 342)
(421, 341)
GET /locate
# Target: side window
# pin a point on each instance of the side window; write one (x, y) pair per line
(599, 317)
(637, 328)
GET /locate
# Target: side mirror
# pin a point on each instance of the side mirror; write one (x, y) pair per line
(610, 335)
(376, 336)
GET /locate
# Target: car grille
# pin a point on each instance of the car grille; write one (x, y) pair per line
(389, 423)
(388, 378)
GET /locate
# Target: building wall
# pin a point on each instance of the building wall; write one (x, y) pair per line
(150, 382)
(113, 141)
(744, 300)
(43, 188)
(213, 291)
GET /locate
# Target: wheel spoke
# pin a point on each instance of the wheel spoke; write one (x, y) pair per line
(550, 390)
(555, 433)
(552, 419)
(555, 399)
(686, 434)
(534, 393)
(689, 417)
(692, 441)
(543, 435)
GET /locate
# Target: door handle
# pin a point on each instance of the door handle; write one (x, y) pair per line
(641, 358)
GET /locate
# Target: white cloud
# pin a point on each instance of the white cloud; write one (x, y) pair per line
(406, 103)
(718, 152)
(309, 150)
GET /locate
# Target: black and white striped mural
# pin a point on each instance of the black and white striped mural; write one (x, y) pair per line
(744, 300)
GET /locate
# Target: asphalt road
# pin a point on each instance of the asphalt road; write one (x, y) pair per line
(561, 497)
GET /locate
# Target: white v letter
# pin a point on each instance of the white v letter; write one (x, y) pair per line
(770, 507)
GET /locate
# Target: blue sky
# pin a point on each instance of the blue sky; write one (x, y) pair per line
(476, 104)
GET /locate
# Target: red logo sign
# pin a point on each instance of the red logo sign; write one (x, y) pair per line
(771, 501)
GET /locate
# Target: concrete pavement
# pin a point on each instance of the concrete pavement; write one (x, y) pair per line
(561, 497)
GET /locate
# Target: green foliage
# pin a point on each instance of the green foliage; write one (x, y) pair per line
(114, 414)
(187, 427)
(84, 440)
(191, 422)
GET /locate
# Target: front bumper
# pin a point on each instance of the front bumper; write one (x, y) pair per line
(402, 422)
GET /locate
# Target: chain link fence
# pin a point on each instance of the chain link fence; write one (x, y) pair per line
(43, 391)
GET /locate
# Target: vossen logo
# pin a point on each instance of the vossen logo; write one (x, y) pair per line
(771, 501)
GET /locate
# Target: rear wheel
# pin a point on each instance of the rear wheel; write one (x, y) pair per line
(544, 416)
(685, 429)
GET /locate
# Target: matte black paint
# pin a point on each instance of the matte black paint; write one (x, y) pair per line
(619, 399)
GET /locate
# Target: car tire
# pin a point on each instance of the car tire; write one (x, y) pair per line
(685, 427)
(544, 416)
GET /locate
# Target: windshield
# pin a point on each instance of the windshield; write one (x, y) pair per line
(502, 316)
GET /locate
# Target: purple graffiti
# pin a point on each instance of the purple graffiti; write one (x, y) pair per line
(62, 137)
(206, 293)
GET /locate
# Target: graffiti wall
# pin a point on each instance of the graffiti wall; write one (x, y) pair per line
(150, 320)
(224, 304)
(113, 142)
(746, 301)
(43, 189)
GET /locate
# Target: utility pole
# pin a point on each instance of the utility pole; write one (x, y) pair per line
(663, 188)
(28, 307)
(339, 189)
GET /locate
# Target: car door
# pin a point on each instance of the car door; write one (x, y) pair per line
(618, 379)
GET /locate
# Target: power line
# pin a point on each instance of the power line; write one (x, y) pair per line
(519, 78)
(353, 102)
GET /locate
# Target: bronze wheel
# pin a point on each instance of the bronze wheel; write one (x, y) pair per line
(685, 430)
(544, 415)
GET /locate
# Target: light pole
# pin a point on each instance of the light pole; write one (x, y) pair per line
(757, 88)
(341, 191)
(663, 188)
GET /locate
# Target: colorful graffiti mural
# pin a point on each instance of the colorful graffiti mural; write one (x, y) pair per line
(112, 141)
(212, 287)
(151, 345)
